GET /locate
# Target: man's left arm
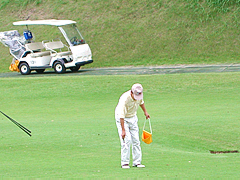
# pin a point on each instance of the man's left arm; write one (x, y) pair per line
(145, 111)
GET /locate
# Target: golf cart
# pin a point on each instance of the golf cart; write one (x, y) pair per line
(29, 55)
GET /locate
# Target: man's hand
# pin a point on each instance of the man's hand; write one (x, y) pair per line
(147, 115)
(123, 134)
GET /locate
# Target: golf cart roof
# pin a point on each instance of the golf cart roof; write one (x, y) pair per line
(52, 22)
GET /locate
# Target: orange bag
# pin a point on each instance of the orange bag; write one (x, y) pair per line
(147, 136)
(14, 66)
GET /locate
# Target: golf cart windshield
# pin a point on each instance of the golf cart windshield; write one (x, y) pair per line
(73, 34)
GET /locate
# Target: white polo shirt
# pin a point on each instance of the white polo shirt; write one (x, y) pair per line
(127, 106)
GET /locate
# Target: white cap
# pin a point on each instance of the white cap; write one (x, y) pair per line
(137, 91)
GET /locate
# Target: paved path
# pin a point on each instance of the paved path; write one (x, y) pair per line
(138, 70)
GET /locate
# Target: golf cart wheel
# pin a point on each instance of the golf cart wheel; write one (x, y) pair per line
(40, 71)
(59, 67)
(75, 69)
(24, 69)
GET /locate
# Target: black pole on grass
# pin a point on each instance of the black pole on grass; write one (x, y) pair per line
(18, 124)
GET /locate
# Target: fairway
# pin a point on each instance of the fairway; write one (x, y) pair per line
(74, 133)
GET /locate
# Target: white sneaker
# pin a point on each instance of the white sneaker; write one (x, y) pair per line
(139, 166)
(125, 166)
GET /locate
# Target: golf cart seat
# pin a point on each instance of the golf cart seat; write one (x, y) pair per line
(35, 49)
(53, 45)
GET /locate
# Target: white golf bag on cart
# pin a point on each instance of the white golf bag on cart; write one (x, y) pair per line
(15, 42)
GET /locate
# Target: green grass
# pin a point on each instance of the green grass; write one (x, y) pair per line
(72, 117)
(145, 32)
(75, 136)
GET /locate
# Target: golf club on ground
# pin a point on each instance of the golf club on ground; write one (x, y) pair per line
(18, 124)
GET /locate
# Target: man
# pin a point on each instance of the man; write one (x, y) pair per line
(126, 121)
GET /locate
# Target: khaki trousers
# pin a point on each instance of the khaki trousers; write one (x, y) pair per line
(131, 138)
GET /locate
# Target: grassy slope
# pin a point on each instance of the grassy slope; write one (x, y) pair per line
(135, 32)
(75, 136)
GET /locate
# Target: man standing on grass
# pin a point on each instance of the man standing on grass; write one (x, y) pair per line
(126, 121)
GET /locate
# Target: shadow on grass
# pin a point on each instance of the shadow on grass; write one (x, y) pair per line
(178, 69)
(46, 73)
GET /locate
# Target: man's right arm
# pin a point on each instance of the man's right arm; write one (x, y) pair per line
(123, 129)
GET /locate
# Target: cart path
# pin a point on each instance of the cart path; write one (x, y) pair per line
(137, 70)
